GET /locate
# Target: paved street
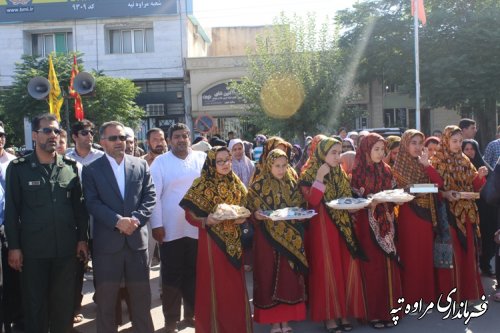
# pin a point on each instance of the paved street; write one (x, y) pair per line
(430, 323)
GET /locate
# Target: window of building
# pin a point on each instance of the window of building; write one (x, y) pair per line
(44, 44)
(175, 108)
(396, 117)
(131, 41)
(155, 110)
(391, 88)
(156, 86)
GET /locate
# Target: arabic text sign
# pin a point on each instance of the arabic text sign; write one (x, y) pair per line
(46, 10)
(220, 95)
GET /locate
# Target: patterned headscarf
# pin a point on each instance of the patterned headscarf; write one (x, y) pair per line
(312, 148)
(369, 178)
(407, 171)
(271, 144)
(270, 193)
(393, 142)
(336, 186)
(458, 173)
(207, 192)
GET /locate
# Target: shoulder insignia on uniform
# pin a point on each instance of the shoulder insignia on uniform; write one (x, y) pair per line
(19, 160)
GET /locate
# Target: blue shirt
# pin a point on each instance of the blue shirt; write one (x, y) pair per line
(492, 153)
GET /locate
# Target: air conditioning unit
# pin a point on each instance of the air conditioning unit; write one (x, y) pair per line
(155, 110)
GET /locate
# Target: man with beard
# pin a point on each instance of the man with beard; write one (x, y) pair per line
(46, 225)
(156, 144)
(173, 174)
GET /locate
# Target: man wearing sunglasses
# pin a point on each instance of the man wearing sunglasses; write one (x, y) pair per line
(46, 225)
(82, 133)
(120, 195)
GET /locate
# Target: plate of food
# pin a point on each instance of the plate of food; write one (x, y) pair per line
(230, 212)
(424, 188)
(349, 203)
(289, 213)
(398, 196)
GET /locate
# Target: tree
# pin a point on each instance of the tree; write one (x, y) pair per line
(459, 50)
(113, 99)
(293, 79)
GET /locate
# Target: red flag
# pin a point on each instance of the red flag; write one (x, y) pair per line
(72, 92)
(421, 10)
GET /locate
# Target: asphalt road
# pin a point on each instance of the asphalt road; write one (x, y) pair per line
(489, 322)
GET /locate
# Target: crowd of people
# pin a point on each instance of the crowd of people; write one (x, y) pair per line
(336, 267)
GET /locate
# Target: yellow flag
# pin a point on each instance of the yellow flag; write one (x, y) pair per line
(55, 97)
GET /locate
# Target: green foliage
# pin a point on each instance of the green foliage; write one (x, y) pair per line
(113, 99)
(459, 48)
(295, 52)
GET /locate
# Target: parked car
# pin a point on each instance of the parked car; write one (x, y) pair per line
(385, 131)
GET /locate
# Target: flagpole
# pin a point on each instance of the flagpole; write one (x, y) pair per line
(417, 67)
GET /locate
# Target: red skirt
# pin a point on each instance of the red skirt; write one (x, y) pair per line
(334, 280)
(221, 296)
(380, 274)
(465, 274)
(279, 291)
(415, 246)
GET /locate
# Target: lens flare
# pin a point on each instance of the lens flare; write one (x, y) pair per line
(281, 96)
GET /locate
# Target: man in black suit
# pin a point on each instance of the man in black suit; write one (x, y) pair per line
(119, 194)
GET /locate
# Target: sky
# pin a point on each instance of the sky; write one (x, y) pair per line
(224, 13)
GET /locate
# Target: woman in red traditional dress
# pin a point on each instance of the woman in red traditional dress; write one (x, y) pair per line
(221, 297)
(460, 175)
(334, 280)
(417, 219)
(279, 257)
(375, 229)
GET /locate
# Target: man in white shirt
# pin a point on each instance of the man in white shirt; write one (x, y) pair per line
(173, 173)
(5, 157)
(11, 286)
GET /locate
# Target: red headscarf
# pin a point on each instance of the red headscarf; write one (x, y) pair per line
(369, 178)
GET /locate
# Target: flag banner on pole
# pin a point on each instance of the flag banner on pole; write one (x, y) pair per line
(55, 97)
(421, 10)
(79, 115)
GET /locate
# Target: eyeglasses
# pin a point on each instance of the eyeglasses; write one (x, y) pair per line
(222, 162)
(2, 135)
(113, 138)
(49, 130)
(86, 132)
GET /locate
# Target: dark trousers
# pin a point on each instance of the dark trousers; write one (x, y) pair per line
(48, 286)
(12, 307)
(110, 270)
(80, 270)
(178, 274)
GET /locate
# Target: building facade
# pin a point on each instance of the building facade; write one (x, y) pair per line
(144, 41)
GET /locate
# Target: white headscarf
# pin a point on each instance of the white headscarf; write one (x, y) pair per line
(234, 142)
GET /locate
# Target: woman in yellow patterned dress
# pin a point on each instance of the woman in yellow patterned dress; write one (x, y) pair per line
(279, 256)
(221, 298)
